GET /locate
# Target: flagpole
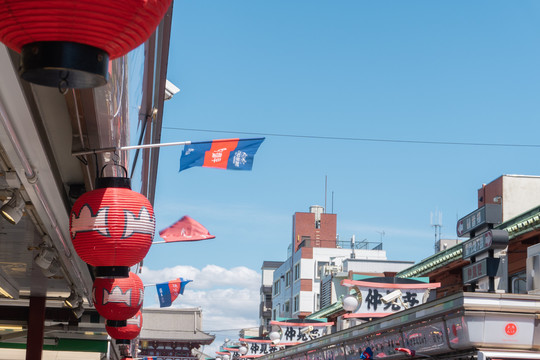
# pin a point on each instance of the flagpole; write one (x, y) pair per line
(123, 148)
(149, 146)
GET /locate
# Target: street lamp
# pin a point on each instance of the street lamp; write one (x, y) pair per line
(242, 350)
(351, 301)
(275, 337)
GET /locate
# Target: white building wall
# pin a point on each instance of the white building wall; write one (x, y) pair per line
(375, 266)
(520, 193)
(278, 300)
(308, 271)
(267, 277)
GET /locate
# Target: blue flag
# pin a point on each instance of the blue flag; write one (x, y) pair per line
(367, 354)
(231, 154)
(169, 291)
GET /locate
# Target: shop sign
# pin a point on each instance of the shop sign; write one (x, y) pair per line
(380, 299)
(372, 300)
(492, 239)
(487, 214)
(301, 333)
(482, 268)
(385, 345)
(426, 338)
(259, 349)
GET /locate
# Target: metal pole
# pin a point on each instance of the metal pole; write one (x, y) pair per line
(149, 146)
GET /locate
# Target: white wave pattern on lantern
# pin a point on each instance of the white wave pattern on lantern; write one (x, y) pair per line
(112, 227)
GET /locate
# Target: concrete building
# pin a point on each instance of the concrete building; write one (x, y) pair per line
(265, 309)
(464, 320)
(331, 289)
(515, 193)
(296, 288)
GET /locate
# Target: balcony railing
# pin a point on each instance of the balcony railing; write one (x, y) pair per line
(364, 244)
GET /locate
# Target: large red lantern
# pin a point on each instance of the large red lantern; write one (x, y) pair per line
(69, 43)
(112, 228)
(118, 299)
(124, 334)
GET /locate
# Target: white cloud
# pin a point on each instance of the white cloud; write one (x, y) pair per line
(211, 276)
(229, 298)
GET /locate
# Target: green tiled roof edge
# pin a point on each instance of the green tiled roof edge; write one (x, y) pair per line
(325, 312)
(521, 224)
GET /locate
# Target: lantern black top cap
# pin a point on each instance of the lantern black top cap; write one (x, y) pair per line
(64, 64)
(114, 181)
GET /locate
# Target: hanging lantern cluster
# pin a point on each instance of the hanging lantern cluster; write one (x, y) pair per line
(112, 229)
(68, 43)
(118, 299)
(123, 334)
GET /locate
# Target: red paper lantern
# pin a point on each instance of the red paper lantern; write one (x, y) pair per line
(118, 299)
(112, 228)
(72, 41)
(123, 334)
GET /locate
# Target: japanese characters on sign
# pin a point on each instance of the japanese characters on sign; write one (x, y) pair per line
(488, 240)
(428, 337)
(302, 334)
(292, 333)
(477, 270)
(372, 303)
(260, 348)
(487, 214)
(372, 300)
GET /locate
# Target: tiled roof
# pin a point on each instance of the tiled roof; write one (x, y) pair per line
(327, 311)
(521, 224)
(433, 262)
(176, 335)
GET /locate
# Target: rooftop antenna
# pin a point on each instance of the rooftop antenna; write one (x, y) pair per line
(436, 222)
(325, 182)
(332, 201)
(382, 233)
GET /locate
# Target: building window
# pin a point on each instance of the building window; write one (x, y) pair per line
(274, 314)
(297, 271)
(268, 297)
(276, 287)
(320, 268)
(288, 279)
(317, 224)
(317, 302)
(287, 307)
(296, 304)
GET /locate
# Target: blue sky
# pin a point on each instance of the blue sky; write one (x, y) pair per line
(444, 71)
